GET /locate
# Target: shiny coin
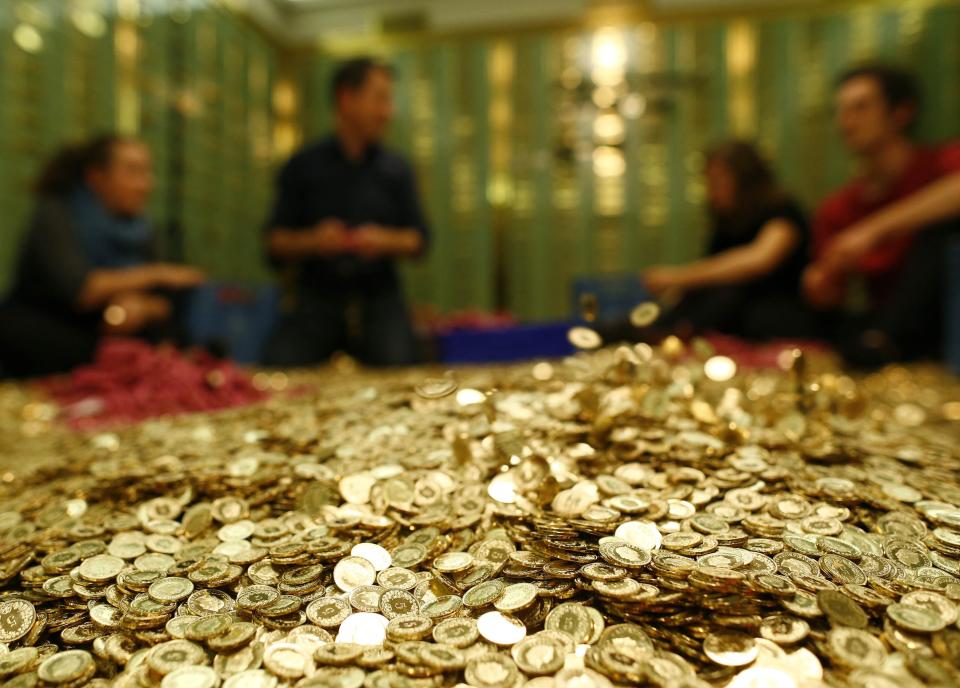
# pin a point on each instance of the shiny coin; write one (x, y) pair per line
(351, 572)
(730, 648)
(841, 610)
(378, 557)
(537, 656)
(191, 677)
(237, 635)
(396, 578)
(484, 593)
(101, 568)
(67, 667)
(516, 597)
(491, 670)
(855, 647)
(18, 661)
(644, 314)
(173, 654)
(328, 612)
(436, 387)
(584, 338)
(287, 660)
(642, 534)
(257, 596)
(784, 630)
(625, 554)
(915, 619)
(572, 619)
(16, 619)
(457, 632)
(501, 629)
(394, 603)
(171, 589)
(363, 628)
(251, 678)
(934, 602)
(442, 657)
(409, 627)
(453, 562)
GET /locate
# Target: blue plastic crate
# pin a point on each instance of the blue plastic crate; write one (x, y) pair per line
(236, 317)
(505, 344)
(952, 328)
(616, 295)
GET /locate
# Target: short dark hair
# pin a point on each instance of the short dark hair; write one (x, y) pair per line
(352, 74)
(898, 86)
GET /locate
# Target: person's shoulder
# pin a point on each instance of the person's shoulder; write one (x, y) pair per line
(838, 201)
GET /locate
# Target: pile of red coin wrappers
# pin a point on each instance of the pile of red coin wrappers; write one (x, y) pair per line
(130, 381)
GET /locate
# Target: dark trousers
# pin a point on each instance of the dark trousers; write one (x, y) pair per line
(743, 310)
(35, 343)
(909, 324)
(372, 325)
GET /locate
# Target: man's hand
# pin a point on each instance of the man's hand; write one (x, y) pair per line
(372, 241)
(171, 276)
(663, 278)
(847, 249)
(329, 237)
(131, 312)
(822, 286)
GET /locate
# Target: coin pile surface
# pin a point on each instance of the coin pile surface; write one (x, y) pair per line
(630, 516)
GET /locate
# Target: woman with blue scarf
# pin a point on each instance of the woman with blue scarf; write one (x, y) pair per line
(87, 266)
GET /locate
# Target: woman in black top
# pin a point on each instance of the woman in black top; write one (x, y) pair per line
(748, 284)
(87, 263)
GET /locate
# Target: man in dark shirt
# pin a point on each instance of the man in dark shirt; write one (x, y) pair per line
(346, 208)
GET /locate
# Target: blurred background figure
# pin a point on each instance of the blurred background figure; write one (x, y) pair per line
(86, 265)
(880, 241)
(748, 283)
(346, 208)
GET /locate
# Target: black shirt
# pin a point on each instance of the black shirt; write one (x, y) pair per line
(785, 278)
(320, 182)
(53, 265)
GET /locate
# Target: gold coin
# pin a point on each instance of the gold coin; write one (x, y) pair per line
(644, 314)
(730, 648)
(16, 619)
(584, 338)
(516, 597)
(101, 568)
(67, 667)
(436, 387)
(191, 677)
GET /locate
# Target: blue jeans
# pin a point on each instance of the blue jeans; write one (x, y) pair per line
(373, 325)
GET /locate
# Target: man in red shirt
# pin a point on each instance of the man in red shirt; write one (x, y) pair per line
(887, 229)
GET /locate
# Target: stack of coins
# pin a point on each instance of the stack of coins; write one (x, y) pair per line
(627, 516)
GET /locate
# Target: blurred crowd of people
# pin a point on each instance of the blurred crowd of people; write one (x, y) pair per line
(867, 274)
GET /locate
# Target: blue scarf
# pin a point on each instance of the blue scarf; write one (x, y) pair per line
(110, 241)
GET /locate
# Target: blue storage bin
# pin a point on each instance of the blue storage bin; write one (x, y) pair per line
(238, 317)
(952, 329)
(505, 344)
(616, 295)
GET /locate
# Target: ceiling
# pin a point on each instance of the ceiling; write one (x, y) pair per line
(306, 22)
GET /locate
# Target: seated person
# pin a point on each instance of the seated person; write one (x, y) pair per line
(346, 211)
(86, 265)
(884, 234)
(749, 281)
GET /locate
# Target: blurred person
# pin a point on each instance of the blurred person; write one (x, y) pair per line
(748, 283)
(886, 230)
(87, 263)
(346, 209)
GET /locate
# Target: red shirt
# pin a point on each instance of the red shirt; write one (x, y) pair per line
(848, 205)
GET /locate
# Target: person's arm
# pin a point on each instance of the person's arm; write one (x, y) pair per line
(101, 285)
(934, 203)
(772, 245)
(327, 238)
(410, 236)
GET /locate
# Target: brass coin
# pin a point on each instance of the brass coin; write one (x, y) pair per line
(67, 667)
(16, 619)
(572, 619)
(730, 648)
(328, 612)
(537, 656)
(914, 618)
(409, 627)
(483, 594)
(457, 632)
(257, 597)
(491, 670)
(784, 630)
(171, 589)
(854, 647)
(191, 677)
(516, 597)
(644, 314)
(396, 578)
(394, 603)
(841, 610)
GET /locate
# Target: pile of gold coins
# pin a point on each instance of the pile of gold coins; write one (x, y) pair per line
(629, 516)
